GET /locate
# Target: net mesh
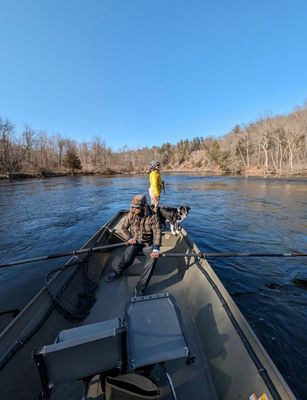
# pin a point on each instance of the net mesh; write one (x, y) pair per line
(73, 286)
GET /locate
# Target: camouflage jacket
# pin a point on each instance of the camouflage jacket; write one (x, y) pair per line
(145, 229)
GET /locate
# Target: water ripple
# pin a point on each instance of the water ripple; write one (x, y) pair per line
(40, 217)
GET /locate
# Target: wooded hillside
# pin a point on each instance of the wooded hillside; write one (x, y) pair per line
(271, 145)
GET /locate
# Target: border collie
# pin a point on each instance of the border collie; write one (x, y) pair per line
(174, 216)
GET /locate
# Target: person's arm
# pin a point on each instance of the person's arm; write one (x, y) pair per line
(125, 228)
(126, 231)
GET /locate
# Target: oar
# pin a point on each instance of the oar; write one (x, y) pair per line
(58, 255)
(110, 246)
(229, 255)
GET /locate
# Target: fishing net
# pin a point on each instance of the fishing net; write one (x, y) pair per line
(72, 287)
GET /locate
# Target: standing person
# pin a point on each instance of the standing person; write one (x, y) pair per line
(141, 228)
(155, 183)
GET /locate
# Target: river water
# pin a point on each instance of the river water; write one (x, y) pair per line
(40, 217)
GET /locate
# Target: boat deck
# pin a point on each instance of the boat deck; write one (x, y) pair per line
(230, 362)
(193, 381)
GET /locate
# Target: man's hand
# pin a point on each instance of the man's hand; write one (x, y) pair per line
(155, 254)
(132, 241)
(156, 198)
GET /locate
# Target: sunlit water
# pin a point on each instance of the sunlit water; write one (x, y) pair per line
(40, 217)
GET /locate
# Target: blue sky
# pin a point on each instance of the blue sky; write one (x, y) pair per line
(143, 72)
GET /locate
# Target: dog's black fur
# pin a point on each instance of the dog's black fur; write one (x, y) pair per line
(173, 215)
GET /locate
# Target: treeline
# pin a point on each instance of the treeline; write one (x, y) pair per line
(275, 145)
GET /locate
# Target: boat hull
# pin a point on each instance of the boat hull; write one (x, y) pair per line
(230, 361)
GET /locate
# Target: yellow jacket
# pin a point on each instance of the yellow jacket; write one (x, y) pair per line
(155, 182)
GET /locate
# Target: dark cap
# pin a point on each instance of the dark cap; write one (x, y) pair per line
(139, 201)
(154, 164)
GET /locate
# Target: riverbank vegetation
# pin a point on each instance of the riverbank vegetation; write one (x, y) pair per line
(269, 146)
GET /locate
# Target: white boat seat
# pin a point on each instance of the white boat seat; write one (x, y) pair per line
(79, 353)
(154, 331)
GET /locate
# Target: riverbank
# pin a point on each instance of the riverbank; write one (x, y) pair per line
(252, 172)
(40, 175)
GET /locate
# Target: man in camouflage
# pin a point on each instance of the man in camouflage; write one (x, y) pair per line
(141, 228)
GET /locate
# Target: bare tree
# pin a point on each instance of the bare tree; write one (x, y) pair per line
(263, 140)
(99, 154)
(11, 152)
(6, 133)
(60, 146)
(294, 138)
(28, 135)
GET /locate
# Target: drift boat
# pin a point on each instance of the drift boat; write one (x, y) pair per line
(186, 332)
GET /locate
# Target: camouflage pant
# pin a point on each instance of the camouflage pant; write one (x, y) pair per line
(154, 199)
(128, 258)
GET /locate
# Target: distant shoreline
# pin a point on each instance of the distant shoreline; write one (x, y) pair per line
(259, 174)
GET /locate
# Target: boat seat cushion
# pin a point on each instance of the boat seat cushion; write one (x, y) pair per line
(154, 331)
(81, 352)
(105, 327)
(131, 387)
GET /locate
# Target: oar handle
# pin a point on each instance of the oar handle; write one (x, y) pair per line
(230, 255)
(65, 254)
(205, 255)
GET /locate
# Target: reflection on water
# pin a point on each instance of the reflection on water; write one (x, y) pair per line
(39, 217)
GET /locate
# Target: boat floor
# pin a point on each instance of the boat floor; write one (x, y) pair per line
(190, 381)
(226, 366)
(235, 364)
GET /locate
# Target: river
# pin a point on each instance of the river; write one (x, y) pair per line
(39, 217)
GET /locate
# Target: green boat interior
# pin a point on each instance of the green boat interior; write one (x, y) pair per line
(185, 336)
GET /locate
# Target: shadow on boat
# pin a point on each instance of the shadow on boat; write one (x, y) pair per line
(214, 343)
(171, 270)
